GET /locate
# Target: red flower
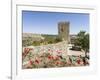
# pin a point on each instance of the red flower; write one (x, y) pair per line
(61, 63)
(50, 57)
(31, 62)
(26, 50)
(78, 61)
(37, 61)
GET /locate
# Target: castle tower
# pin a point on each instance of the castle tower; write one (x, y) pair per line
(63, 30)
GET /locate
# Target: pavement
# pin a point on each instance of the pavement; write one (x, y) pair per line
(76, 53)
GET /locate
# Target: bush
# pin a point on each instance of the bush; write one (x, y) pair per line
(36, 43)
(58, 39)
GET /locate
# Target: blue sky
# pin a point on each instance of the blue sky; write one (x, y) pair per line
(47, 22)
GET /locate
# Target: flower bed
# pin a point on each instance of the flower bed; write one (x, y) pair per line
(48, 60)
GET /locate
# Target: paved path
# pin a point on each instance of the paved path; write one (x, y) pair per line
(76, 53)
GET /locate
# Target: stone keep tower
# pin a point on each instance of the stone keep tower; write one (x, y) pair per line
(63, 30)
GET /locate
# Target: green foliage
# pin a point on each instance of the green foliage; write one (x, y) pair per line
(36, 43)
(27, 42)
(48, 39)
(82, 40)
(58, 39)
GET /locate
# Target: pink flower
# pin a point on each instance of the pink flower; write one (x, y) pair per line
(48, 49)
(58, 51)
(57, 62)
(56, 58)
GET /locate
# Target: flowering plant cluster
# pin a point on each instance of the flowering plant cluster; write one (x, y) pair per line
(48, 60)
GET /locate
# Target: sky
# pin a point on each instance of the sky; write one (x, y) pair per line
(47, 22)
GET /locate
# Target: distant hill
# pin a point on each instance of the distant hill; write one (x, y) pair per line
(31, 38)
(42, 35)
(38, 37)
(32, 35)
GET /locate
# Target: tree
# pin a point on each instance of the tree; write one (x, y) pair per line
(82, 40)
(57, 39)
